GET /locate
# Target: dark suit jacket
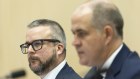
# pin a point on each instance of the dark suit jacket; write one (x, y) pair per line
(67, 73)
(126, 65)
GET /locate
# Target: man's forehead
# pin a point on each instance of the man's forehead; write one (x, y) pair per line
(38, 33)
(38, 28)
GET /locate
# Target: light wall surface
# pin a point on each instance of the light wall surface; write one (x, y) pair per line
(15, 15)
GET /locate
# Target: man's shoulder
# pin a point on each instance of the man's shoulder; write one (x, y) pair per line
(132, 62)
(126, 64)
(131, 67)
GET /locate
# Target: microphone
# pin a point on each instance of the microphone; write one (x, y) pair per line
(16, 74)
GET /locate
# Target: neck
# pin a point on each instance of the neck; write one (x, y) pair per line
(114, 46)
(110, 49)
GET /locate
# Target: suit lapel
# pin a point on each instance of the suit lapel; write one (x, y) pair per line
(62, 72)
(118, 62)
(67, 73)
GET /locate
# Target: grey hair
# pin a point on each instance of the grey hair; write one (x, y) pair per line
(57, 31)
(108, 14)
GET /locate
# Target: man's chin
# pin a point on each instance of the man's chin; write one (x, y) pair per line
(34, 68)
(34, 65)
(82, 62)
(85, 63)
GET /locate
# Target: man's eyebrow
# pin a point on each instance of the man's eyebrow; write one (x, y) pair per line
(77, 30)
(27, 42)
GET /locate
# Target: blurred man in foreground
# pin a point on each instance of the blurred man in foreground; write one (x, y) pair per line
(97, 26)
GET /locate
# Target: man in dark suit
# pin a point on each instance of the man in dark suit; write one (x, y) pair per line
(97, 26)
(46, 48)
(125, 66)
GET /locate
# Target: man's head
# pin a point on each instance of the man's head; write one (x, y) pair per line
(45, 45)
(97, 26)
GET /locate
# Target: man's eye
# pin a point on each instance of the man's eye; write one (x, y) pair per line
(82, 34)
(36, 44)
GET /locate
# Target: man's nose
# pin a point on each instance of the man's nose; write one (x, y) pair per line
(76, 42)
(30, 49)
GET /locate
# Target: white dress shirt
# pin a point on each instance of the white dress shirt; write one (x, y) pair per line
(52, 74)
(109, 61)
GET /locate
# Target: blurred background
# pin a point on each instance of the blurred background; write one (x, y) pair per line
(15, 15)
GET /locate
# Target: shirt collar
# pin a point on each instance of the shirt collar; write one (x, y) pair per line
(109, 61)
(52, 74)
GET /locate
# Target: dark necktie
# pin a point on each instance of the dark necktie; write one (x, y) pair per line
(95, 74)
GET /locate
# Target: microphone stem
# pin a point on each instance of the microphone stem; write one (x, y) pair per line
(2, 78)
(5, 78)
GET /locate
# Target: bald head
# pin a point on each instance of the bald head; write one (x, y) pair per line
(101, 13)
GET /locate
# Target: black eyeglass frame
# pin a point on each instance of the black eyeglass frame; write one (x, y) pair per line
(42, 40)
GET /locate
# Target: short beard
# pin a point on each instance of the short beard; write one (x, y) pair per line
(43, 67)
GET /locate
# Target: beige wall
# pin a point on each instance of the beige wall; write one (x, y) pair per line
(16, 14)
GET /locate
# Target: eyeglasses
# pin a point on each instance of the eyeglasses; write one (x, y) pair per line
(36, 45)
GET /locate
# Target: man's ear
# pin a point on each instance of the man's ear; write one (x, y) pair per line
(59, 48)
(108, 33)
